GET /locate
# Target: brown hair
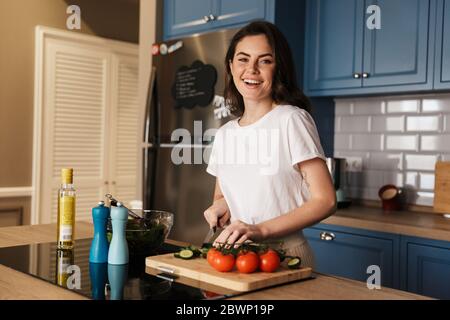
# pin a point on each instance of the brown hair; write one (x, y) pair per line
(284, 87)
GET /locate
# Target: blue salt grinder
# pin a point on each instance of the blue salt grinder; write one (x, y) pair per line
(117, 276)
(118, 249)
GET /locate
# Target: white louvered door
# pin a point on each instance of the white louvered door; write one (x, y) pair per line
(75, 126)
(124, 130)
(89, 121)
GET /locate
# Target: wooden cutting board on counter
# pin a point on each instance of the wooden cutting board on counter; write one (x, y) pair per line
(442, 187)
(199, 270)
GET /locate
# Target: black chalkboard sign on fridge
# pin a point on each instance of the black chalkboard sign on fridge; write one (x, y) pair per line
(194, 85)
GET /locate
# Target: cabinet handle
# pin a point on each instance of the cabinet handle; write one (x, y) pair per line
(327, 236)
(207, 18)
(356, 75)
(365, 75)
(113, 183)
(212, 17)
(106, 182)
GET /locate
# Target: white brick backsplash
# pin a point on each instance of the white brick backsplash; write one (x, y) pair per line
(383, 124)
(425, 198)
(392, 177)
(426, 181)
(411, 179)
(436, 143)
(420, 162)
(367, 142)
(401, 142)
(354, 179)
(423, 123)
(347, 154)
(342, 141)
(399, 138)
(354, 124)
(436, 105)
(403, 106)
(373, 179)
(363, 193)
(368, 107)
(343, 107)
(370, 194)
(386, 161)
(337, 124)
(355, 193)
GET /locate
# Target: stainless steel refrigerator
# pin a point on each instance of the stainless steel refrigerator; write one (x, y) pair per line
(185, 99)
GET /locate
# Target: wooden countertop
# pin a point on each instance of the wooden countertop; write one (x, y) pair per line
(326, 287)
(23, 235)
(408, 223)
(16, 285)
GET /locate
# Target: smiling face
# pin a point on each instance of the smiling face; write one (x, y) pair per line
(253, 67)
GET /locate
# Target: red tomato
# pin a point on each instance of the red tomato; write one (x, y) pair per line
(211, 255)
(210, 294)
(247, 262)
(270, 261)
(223, 262)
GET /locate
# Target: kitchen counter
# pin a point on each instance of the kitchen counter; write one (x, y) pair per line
(16, 285)
(408, 223)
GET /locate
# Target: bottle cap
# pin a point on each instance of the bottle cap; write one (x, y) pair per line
(101, 203)
(67, 175)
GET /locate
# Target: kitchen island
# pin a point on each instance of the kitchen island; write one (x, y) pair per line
(17, 285)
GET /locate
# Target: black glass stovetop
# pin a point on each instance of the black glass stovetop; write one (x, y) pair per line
(71, 270)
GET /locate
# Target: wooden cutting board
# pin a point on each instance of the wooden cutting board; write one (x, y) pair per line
(199, 269)
(442, 187)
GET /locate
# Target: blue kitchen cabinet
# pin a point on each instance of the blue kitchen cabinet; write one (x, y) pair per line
(348, 252)
(233, 12)
(442, 64)
(425, 267)
(398, 53)
(181, 16)
(185, 17)
(334, 40)
(344, 56)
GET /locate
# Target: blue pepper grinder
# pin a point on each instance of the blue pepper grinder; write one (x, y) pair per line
(99, 245)
(118, 249)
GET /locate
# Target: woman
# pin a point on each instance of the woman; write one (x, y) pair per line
(267, 197)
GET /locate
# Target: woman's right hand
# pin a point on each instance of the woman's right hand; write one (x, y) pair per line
(218, 214)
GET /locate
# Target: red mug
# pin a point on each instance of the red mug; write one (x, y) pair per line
(390, 197)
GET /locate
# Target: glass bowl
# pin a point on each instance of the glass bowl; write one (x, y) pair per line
(145, 236)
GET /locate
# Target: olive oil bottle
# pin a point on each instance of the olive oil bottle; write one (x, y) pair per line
(64, 259)
(66, 210)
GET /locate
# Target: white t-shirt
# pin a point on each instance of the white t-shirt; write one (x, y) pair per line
(257, 164)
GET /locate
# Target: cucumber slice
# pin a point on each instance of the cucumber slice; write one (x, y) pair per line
(204, 252)
(294, 263)
(186, 254)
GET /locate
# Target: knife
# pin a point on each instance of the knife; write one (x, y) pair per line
(212, 234)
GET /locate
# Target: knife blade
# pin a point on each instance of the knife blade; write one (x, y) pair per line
(212, 234)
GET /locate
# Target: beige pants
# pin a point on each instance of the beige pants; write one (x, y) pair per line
(297, 245)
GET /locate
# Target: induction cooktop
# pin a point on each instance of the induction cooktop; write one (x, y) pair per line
(71, 270)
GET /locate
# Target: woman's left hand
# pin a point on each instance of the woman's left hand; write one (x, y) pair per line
(238, 232)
